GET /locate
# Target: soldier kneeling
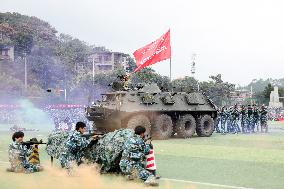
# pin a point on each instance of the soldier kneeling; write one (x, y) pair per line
(133, 159)
(18, 154)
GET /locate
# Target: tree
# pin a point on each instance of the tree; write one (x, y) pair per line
(267, 91)
(71, 50)
(148, 75)
(131, 64)
(186, 84)
(217, 90)
(23, 44)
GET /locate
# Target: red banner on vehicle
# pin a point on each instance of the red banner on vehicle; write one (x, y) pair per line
(154, 52)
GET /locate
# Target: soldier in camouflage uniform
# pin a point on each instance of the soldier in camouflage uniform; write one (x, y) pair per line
(250, 118)
(74, 148)
(229, 112)
(107, 152)
(223, 116)
(217, 121)
(263, 119)
(255, 118)
(235, 114)
(244, 119)
(18, 154)
(133, 159)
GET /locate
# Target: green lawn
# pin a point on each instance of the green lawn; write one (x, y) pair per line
(252, 161)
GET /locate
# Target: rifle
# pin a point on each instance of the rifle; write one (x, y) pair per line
(32, 142)
(90, 134)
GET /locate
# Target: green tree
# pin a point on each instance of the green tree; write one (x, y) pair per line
(217, 90)
(131, 64)
(148, 75)
(187, 84)
(267, 91)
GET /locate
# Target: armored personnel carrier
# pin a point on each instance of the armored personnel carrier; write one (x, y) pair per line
(163, 114)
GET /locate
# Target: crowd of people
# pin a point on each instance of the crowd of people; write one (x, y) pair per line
(275, 114)
(242, 119)
(63, 117)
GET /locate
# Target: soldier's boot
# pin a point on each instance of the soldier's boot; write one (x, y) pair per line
(133, 174)
(130, 177)
(151, 181)
(40, 168)
(266, 128)
(9, 170)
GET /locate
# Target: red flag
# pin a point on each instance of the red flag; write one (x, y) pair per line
(154, 52)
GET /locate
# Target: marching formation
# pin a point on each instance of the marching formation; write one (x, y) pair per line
(244, 119)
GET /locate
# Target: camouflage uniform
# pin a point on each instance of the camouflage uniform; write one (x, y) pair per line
(250, 118)
(235, 114)
(133, 158)
(244, 120)
(18, 154)
(230, 128)
(107, 152)
(73, 150)
(255, 118)
(263, 119)
(223, 116)
(55, 143)
(217, 121)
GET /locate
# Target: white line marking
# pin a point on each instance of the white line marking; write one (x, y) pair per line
(204, 183)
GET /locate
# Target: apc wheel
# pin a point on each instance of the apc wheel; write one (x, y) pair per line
(139, 120)
(205, 126)
(186, 126)
(163, 127)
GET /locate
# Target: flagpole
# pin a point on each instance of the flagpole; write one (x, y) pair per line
(170, 69)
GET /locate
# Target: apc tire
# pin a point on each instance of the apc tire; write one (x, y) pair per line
(139, 120)
(186, 126)
(163, 127)
(205, 126)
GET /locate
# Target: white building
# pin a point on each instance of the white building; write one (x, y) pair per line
(104, 61)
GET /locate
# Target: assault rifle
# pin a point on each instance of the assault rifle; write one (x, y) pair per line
(33, 141)
(93, 133)
(90, 134)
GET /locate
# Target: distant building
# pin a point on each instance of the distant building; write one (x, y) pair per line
(6, 52)
(104, 61)
(240, 95)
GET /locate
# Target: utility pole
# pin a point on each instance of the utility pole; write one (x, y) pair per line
(65, 94)
(26, 79)
(193, 57)
(93, 92)
(93, 70)
(250, 95)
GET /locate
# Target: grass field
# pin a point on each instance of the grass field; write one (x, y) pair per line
(221, 161)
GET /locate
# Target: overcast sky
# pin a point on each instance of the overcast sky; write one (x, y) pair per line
(241, 39)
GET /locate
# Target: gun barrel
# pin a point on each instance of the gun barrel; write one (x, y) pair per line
(32, 143)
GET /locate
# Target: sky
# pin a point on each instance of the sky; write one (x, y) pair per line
(240, 39)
